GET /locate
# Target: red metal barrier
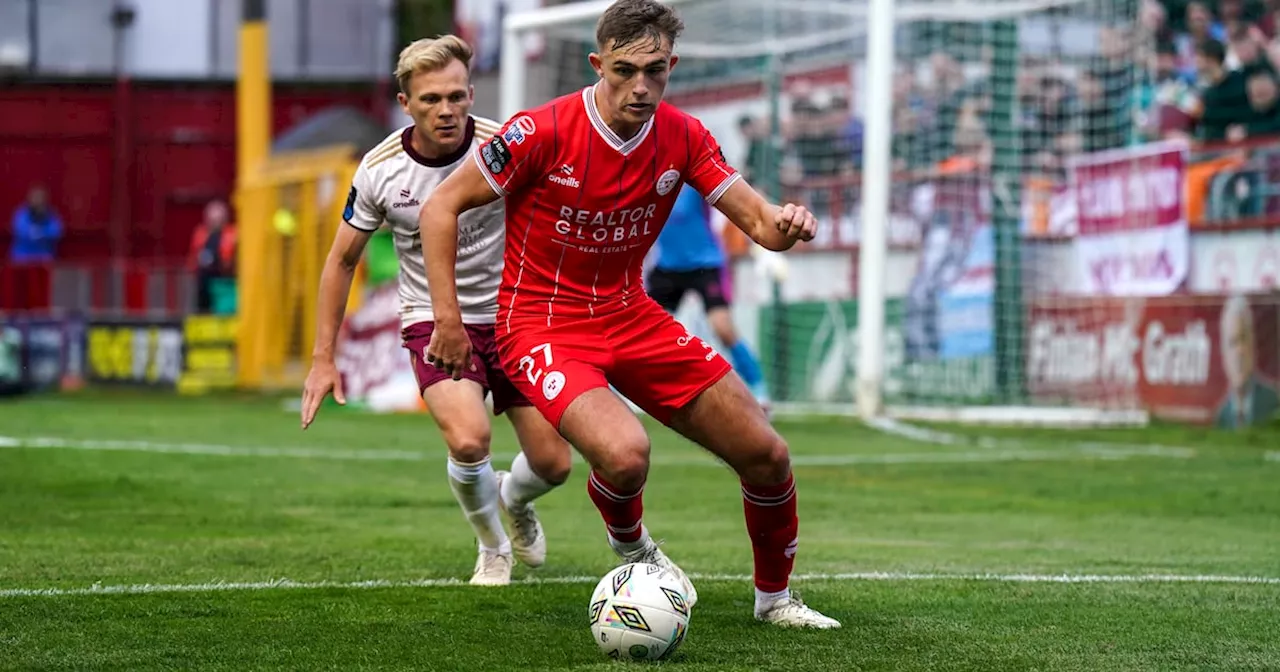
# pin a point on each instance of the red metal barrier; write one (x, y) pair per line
(119, 288)
(25, 287)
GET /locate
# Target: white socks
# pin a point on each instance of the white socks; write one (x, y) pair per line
(475, 486)
(764, 601)
(522, 486)
(629, 548)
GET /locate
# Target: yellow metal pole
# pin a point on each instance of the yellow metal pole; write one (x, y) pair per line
(312, 262)
(253, 138)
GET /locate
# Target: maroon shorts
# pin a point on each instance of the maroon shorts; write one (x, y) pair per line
(486, 369)
(641, 350)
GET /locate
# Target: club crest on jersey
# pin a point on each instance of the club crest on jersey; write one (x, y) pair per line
(667, 181)
(552, 385)
(496, 155)
(524, 122)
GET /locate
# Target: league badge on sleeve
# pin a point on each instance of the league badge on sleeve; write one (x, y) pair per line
(513, 135)
(496, 155)
(520, 128)
(349, 210)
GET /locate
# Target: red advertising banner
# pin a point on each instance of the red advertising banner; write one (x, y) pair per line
(1206, 360)
(1133, 238)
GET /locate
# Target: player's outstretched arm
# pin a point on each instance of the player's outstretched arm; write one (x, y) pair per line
(466, 188)
(771, 226)
(335, 285)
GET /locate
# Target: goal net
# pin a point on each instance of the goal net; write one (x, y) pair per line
(989, 104)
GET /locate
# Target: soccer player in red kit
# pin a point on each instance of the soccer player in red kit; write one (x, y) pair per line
(589, 179)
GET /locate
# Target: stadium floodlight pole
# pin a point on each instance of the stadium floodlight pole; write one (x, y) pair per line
(514, 69)
(876, 176)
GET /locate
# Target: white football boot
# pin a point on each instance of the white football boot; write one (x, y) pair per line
(528, 542)
(492, 569)
(790, 612)
(650, 554)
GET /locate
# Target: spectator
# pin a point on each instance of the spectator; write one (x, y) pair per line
(1106, 123)
(1268, 24)
(1201, 28)
(213, 252)
(1223, 100)
(1167, 101)
(758, 166)
(911, 122)
(1051, 123)
(36, 230)
(1264, 98)
(1232, 19)
(1152, 22)
(1246, 49)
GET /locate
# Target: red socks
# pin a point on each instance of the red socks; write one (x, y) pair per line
(773, 527)
(771, 523)
(621, 510)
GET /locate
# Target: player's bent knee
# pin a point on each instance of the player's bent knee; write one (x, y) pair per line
(551, 467)
(627, 468)
(773, 465)
(467, 447)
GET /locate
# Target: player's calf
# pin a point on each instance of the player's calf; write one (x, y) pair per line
(724, 420)
(458, 408)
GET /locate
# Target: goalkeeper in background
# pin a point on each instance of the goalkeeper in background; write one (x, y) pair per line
(690, 259)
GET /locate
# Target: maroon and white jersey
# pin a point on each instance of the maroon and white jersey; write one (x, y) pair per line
(390, 186)
(583, 206)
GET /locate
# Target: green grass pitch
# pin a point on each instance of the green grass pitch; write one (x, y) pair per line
(140, 531)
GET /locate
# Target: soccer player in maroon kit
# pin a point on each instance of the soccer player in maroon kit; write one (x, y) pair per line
(589, 179)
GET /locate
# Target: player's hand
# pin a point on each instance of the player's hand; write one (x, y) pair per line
(450, 349)
(321, 380)
(796, 222)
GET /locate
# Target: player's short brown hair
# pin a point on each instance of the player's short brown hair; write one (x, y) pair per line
(430, 54)
(629, 21)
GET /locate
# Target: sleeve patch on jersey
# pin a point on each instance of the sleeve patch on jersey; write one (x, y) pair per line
(513, 135)
(525, 123)
(349, 210)
(496, 156)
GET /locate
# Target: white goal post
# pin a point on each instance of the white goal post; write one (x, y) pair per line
(776, 61)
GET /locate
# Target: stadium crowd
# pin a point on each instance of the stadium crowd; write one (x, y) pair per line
(1203, 71)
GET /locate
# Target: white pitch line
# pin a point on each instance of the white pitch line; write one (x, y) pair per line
(1080, 452)
(372, 455)
(1272, 456)
(287, 584)
(926, 435)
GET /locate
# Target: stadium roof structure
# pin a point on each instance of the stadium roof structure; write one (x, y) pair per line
(339, 125)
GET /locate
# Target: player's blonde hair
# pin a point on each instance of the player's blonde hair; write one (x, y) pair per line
(430, 54)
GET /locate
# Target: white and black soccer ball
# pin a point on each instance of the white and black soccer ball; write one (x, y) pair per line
(638, 612)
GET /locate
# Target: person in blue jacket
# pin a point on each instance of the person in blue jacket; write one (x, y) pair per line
(689, 258)
(36, 230)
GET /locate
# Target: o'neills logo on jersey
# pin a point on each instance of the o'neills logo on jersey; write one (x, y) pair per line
(410, 202)
(564, 177)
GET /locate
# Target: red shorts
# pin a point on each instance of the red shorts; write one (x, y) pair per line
(485, 368)
(641, 350)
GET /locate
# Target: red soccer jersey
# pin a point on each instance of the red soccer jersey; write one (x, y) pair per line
(584, 206)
